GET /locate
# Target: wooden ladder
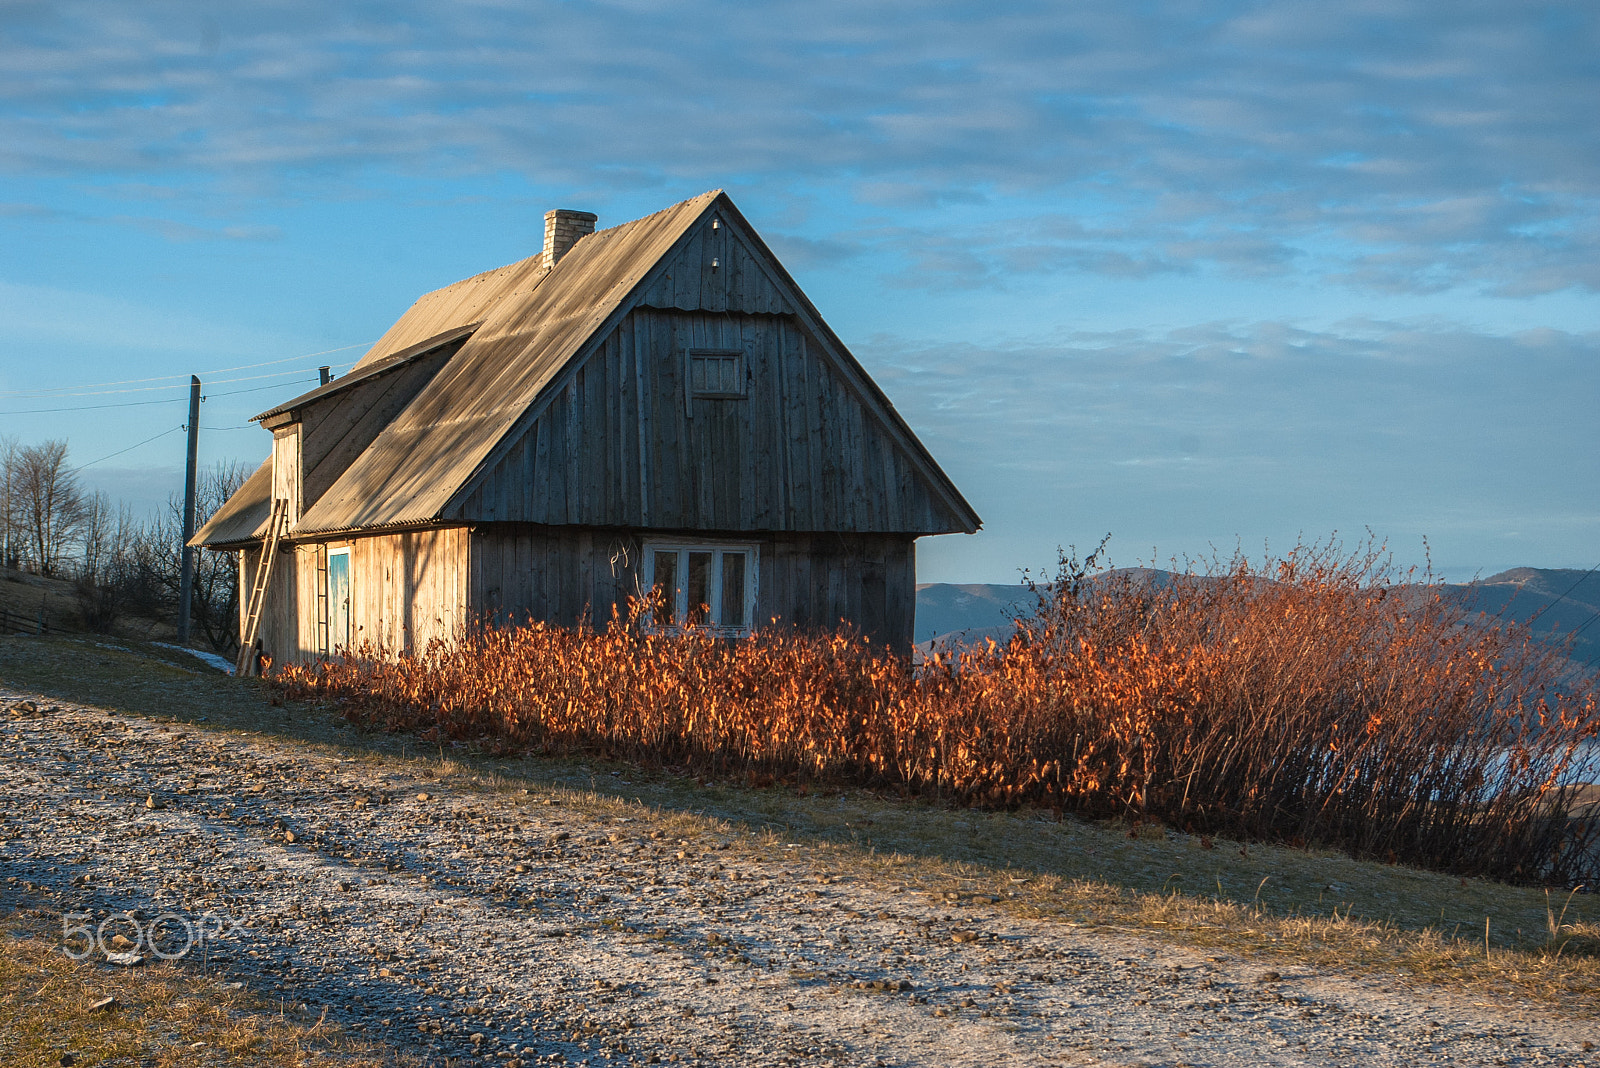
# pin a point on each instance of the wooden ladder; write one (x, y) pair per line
(246, 664)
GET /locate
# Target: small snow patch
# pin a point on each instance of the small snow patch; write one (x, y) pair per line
(220, 663)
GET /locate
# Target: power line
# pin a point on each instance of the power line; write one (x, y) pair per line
(164, 400)
(43, 392)
(130, 448)
(86, 407)
(1563, 597)
(255, 389)
(158, 389)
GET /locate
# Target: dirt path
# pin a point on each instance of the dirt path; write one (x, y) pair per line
(513, 929)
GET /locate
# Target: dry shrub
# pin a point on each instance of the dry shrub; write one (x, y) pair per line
(1311, 699)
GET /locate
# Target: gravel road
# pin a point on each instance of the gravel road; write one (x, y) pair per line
(508, 927)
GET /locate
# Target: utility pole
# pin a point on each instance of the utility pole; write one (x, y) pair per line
(186, 576)
(326, 374)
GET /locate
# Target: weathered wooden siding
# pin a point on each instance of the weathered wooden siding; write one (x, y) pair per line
(278, 632)
(561, 575)
(621, 445)
(405, 590)
(716, 270)
(286, 469)
(820, 581)
(565, 575)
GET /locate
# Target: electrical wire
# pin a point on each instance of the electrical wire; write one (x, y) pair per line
(90, 407)
(130, 448)
(163, 400)
(254, 389)
(184, 385)
(1563, 597)
(47, 391)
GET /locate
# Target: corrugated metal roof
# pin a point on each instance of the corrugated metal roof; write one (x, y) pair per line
(456, 305)
(534, 322)
(364, 370)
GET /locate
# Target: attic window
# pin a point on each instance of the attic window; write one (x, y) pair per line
(716, 373)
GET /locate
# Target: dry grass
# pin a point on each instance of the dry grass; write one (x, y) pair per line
(1269, 903)
(23, 596)
(164, 1015)
(1308, 699)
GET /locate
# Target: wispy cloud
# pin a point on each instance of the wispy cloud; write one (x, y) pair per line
(1250, 429)
(1400, 147)
(171, 229)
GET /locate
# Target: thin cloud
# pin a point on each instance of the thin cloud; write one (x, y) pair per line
(1409, 148)
(1249, 429)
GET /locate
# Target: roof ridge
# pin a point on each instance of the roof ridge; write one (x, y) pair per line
(482, 274)
(709, 194)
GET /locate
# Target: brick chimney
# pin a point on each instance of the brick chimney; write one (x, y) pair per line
(562, 228)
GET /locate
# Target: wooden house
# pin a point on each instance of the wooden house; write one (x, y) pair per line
(656, 404)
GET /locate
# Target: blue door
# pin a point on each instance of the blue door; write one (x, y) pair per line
(338, 600)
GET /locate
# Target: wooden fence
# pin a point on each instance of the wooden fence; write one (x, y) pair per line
(23, 623)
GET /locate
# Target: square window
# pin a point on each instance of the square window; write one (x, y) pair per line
(716, 373)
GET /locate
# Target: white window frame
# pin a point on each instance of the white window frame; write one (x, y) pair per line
(680, 602)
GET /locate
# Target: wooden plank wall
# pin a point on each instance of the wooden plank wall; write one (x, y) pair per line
(818, 581)
(815, 581)
(618, 447)
(717, 271)
(406, 589)
(410, 588)
(286, 469)
(279, 614)
(560, 575)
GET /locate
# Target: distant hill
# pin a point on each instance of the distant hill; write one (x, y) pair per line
(1557, 601)
(944, 609)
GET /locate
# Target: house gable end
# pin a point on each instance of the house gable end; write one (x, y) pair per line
(620, 439)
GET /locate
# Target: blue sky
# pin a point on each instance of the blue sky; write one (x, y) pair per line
(1192, 274)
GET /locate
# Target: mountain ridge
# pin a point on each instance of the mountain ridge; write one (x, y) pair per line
(1554, 602)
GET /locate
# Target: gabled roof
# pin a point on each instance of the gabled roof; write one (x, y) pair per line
(524, 325)
(537, 322)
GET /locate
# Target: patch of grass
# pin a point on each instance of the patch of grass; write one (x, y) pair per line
(24, 596)
(148, 680)
(163, 1014)
(1275, 902)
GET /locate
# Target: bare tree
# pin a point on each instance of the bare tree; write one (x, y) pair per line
(10, 547)
(153, 558)
(49, 503)
(104, 563)
(97, 536)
